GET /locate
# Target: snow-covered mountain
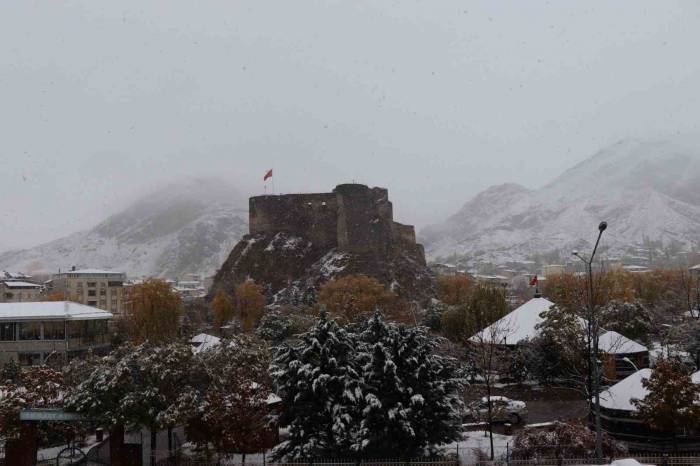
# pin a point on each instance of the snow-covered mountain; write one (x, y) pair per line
(643, 189)
(188, 227)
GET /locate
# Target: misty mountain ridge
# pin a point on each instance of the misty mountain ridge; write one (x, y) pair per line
(185, 227)
(646, 190)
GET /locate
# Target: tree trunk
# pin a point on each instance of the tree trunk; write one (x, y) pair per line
(243, 459)
(22, 451)
(154, 441)
(116, 446)
(490, 415)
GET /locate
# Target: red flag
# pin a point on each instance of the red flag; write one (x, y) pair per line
(533, 281)
(268, 175)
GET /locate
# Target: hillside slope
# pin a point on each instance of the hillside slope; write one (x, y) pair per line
(188, 227)
(644, 189)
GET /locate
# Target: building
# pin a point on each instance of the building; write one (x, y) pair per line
(51, 332)
(102, 289)
(618, 416)
(189, 289)
(553, 269)
(621, 356)
(15, 291)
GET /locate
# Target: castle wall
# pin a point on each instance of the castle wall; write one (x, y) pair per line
(353, 217)
(363, 225)
(314, 216)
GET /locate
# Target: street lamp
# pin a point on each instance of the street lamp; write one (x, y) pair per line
(592, 343)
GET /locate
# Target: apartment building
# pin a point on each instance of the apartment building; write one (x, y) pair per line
(103, 289)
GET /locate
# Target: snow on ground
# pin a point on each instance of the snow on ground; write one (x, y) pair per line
(478, 441)
(332, 263)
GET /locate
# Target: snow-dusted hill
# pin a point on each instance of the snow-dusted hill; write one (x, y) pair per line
(643, 189)
(189, 227)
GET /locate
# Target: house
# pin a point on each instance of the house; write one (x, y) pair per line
(34, 333)
(621, 355)
(203, 342)
(14, 291)
(618, 415)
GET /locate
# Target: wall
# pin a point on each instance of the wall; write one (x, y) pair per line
(313, 216)
(353, 217)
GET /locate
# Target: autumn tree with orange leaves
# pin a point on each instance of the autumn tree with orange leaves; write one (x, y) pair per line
(354, 297)
(153, 312)
(223, 309)
(250, 303)
(454, 289)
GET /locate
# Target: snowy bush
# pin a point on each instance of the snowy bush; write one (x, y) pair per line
(563, 440)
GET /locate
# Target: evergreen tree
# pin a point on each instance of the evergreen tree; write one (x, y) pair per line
(320, 390)
(411, 395)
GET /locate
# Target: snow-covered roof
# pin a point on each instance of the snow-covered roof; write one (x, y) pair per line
(620, 395)
(14, 275)
(17, 284)
(204, 341)
(51, 310)
(93, 272)
(519, 324)
(612, 342)
(695, 267)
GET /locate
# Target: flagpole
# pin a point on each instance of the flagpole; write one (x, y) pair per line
(273, 181)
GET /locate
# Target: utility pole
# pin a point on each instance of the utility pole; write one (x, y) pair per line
(593, 329)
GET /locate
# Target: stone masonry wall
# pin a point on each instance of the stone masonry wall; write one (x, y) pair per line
(353, 217)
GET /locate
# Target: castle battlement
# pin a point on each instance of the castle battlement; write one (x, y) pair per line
(353, 218)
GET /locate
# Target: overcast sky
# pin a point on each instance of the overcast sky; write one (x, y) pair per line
(101, 102)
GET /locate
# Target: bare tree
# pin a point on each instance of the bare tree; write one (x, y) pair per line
(487, 348)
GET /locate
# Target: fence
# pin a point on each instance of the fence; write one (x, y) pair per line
(316, 462)
(647, 460)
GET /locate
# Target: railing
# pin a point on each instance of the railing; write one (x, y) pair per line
(646, 460)
(315, 462)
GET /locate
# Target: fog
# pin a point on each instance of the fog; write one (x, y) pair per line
(103, 102)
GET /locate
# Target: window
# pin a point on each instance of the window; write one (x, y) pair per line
(29, 331)
(92, 303)
(103, 292)
(91, 284)
(92, 293)
(54, 331)
(29, 359)
(114, 284)
(7, 331)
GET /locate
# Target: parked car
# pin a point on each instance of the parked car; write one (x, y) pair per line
(502, 410)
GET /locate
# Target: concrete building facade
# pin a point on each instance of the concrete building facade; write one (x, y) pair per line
(103, 289)
(15, 291)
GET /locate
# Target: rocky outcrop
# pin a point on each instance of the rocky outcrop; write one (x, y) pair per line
(299, 241)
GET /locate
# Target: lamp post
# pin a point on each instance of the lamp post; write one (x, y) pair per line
(592, 343)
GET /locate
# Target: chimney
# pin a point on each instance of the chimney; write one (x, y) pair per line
(72, 269)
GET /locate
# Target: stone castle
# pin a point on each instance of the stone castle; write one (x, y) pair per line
(353, 218)
(297, 242)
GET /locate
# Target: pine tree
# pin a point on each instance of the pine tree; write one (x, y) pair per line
(320, 389)
(411, 395)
